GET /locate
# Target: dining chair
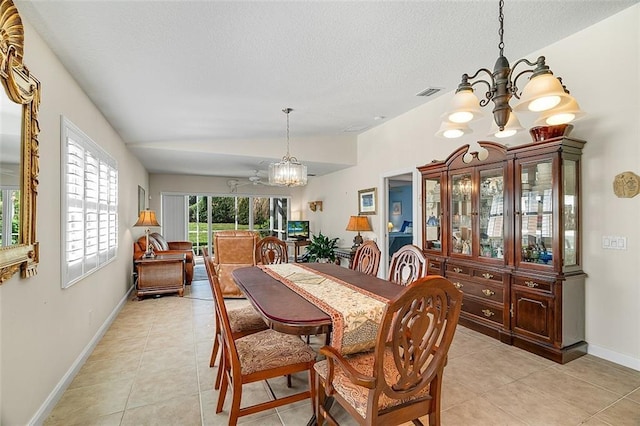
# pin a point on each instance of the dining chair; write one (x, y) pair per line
(367, 258)
(407, 265)
(260, 356)
(270, 250)
(243, 321)
(400, 380)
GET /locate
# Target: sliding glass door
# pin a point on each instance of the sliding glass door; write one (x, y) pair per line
(209, 214)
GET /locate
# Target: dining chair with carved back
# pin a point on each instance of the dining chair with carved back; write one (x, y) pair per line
(367, 258)
(270, 250)
(400, 379)
(256, 357)
(243, 321)
(407, 265)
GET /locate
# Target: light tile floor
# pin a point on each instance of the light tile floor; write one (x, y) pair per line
(152, 368)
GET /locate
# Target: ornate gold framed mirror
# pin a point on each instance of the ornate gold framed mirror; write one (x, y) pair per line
(19, 166)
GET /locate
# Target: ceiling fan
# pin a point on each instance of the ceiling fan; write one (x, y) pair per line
(256, 179)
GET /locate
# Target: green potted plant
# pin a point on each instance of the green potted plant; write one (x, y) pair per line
(322, 248)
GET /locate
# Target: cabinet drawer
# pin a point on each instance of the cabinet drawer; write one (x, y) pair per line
(483, 290)
(533, 283)
(482, 310)
(489, 276)
(458, 269)
(434, 267)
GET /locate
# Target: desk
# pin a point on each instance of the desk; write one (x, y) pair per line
(163, 273)
(286, 311)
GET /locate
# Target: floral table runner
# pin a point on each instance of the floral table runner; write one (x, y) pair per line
(355, 313)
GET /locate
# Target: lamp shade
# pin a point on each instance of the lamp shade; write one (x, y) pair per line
(512, 127)
(465, 107)
(560, 115)
(451, 130)
(358, 223)
(542, 93)
(147, 218)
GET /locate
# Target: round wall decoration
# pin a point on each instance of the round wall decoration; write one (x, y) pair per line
(626, 185)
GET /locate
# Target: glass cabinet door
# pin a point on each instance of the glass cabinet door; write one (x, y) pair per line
(536, 212)
(460, 213)
(432, 213)
(491, 214)
(570, 213)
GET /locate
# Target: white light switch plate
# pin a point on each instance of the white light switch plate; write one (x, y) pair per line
(614, 242)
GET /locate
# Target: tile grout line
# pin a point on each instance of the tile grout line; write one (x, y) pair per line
(135, 376)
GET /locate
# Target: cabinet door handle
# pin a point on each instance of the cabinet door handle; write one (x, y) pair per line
(488, 292)
(488, 313)
(432, 265)
(458, 270)
(531, 284)
(458, 285)
(487, 275)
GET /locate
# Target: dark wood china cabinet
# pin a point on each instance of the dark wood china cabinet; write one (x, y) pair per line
(503, 225)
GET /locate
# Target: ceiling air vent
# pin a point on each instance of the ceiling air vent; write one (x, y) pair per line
(429, 91)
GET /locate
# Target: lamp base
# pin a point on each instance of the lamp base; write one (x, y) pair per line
(357, 240)
(149, 255)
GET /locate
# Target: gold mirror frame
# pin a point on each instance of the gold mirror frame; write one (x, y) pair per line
(22, 88)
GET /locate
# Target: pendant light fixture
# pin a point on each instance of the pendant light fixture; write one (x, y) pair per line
(289, 171)
(543, 93)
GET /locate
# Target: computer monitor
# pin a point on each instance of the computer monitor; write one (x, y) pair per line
(298, 229)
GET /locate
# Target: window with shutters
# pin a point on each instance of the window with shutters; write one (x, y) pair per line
(89, 205)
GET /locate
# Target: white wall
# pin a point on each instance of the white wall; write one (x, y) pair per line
(600, 65)
(44, 329)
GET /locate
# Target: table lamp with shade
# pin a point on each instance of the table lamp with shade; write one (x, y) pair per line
(358, 223)
(147, 218)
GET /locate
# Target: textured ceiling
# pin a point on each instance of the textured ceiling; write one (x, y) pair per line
(207, 74)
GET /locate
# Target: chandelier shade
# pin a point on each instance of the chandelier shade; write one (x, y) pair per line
(289, 171)
(465, 107)
(451, 130)
(511, 128)
(543, 93)
(562, 115)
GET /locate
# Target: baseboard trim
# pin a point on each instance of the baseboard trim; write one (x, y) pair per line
(618, 358)
(47, 406)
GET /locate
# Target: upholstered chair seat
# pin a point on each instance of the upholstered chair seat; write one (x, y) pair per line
(269, 349)
(244, 319)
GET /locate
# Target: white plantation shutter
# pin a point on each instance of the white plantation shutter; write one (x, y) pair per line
(89, 205)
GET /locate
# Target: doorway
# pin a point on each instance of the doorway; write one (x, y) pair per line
(400, 213)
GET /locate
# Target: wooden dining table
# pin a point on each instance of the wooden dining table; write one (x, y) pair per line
(286, 311)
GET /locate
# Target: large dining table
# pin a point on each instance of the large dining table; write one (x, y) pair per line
(286, 311)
